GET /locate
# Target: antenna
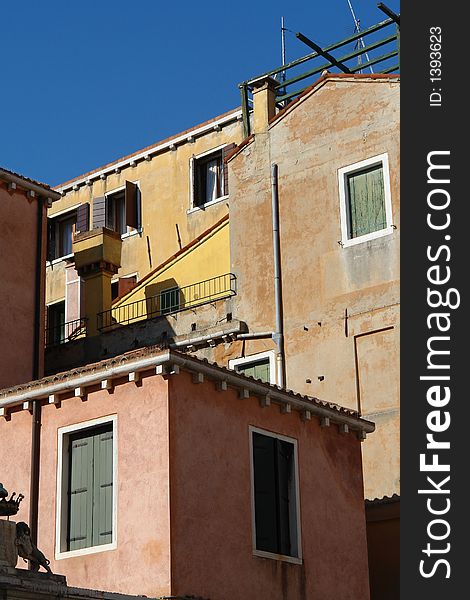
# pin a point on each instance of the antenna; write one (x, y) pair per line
(360, 42)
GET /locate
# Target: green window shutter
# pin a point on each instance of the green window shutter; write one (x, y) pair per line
(103, 489)
(366, 202)
(258, 369)
(81, 492)
(265, 493)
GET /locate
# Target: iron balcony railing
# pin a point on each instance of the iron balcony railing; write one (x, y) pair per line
(169, 301)
(363, 50)
(66, 332)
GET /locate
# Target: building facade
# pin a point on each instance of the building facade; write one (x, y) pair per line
(165, 475)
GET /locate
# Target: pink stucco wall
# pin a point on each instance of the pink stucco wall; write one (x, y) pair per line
(140, 564)
(184, 521)
(211, 527)
(18, 265)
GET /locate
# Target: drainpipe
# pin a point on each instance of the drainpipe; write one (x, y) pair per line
(36, 416)
(278, 335)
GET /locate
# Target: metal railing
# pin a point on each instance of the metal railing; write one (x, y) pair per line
(169, 301)
(66, 332)
(388, 61)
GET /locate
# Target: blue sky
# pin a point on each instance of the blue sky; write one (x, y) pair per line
(84, 82)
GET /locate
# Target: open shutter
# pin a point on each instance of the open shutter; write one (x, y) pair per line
(225, 153)
(83, 218)
(265, 492)
(103, 489)
(131, 204)
(50, 239)
(81, 493)
(194, 175)
(284, 459)
(99, 212)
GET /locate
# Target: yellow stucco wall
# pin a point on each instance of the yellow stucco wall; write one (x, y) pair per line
(209, 258)
(165, 186)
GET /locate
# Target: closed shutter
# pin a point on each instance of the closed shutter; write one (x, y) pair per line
(259, 369)
(99, 212)
(103, 489)
(81, 493)
(83, 218)
(225, 152)
(131, 204)
(366, 202)
(285, 460)
(50, 239)
(265, 493)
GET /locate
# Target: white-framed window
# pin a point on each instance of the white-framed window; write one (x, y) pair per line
(275, 496)
(365, 200)
(60, 230)
(208, 175)
(260, 366)
(86, 488)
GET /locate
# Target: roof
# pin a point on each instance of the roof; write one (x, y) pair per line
(224, 117)
(8, 175)
(158, 360)
(318, 84)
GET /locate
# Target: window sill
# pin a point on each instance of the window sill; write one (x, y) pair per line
(368, 237)
(84, 551)
(281, 557)
(204, 206)
(131, 233)
(56, 261)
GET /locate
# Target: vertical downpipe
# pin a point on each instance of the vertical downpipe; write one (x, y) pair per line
(36, 417)
(278, 335)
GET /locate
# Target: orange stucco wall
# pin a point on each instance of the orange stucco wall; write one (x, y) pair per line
(211, 527)
(18, 235)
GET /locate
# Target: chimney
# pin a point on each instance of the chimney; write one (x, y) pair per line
(264, 103)
(97, 259)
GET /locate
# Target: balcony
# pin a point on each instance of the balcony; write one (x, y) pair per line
(66, 332)
(169, 301)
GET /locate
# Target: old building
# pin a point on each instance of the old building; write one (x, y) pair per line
(158, 200)
(164, 475)
(23, 206)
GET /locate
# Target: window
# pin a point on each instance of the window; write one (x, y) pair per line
(118, 210)
(55, 333)
(275, 495)
(59, 235)
(87, 473)
(169, 300)
(260, 366)
(366, 211)
(209, 176)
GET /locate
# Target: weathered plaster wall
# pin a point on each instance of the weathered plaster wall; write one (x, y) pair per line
(18, 247)
(332, 295)
(210, 495)
(140, 564)
(165, 198)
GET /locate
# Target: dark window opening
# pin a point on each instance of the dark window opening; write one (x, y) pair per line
(55, 323)
(208, 178)
(60, 233)
(275, 495)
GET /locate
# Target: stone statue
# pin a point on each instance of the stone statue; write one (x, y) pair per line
(9, 506)
(28, 551)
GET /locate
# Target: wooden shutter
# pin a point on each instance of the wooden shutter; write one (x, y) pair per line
(366, 202)
(131, 204)
(103, 488)
(83, 218)
(99, 212)
(265, 492)
(194, 174)
(285, 461)
(258, 370)
(50, 239)
(81, 492)
(225, 153)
